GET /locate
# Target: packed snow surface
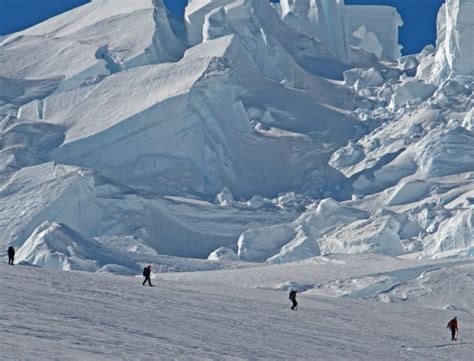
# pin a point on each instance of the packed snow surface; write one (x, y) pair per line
(245, 131)
(357, 308)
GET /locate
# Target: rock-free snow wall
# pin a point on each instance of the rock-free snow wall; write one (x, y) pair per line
(123, 140)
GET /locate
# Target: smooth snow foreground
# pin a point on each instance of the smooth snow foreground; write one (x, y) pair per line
(357, 308)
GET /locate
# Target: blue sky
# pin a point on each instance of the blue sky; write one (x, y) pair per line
(419, 16)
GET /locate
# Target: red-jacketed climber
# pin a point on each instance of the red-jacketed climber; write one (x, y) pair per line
(453, 325)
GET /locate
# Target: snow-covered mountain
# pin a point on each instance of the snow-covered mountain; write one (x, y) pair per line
(263, 132)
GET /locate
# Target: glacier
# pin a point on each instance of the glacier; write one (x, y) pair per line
(245, 132)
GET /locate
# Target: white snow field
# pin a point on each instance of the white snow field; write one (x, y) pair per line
(270, 145)
(242, 314)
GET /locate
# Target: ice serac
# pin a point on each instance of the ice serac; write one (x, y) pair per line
(335, 21)
(15, 56)
(305, 16)
(338, 27)
(121, 216)
(54, 245)
(366, 41)
(223, 254)
(36, 77)
(138, 148)
(195, 14)
(83, 46)
(377, 235)
(455, 47)
(455, 237)
(319, 19)
(146, 111)
(24, 143)
(300, 239)
(127, 33)
(278, 50)
(382, 21)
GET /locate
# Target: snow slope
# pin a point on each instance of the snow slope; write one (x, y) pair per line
(49, 314)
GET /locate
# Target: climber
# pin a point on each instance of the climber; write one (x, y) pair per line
(293, 300)
(453, 325)
(147, 274)
(11, 255)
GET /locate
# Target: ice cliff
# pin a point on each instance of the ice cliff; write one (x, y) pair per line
(352, 34)
(455, 47)
(246, 131)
